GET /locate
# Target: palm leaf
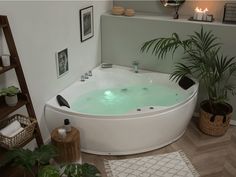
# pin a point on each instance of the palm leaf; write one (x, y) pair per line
(201, 60)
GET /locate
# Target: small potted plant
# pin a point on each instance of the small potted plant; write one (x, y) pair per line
(203, 60)
(10, 94)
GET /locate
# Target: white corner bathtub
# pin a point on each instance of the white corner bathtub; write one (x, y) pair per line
(120, 112)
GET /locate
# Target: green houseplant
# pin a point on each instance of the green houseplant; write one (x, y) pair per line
(10, 94)
(30, 161)
(203, 60)
(36, 163)
(70, 170)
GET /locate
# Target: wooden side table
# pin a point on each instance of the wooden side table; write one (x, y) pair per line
(69, 147)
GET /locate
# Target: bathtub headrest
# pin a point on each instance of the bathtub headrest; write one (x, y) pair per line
(186, 82)
(62, 101)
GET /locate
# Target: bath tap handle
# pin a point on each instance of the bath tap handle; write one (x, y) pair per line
(90, 73)
(86, 75)
(82, 78)
(135, 65)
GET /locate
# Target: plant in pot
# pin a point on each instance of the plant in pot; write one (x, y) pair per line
(36, 163)
(10, 94)
(30, 161)
(203, 60)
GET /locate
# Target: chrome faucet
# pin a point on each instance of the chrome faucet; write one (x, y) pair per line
(135, 66)
(82, 78)
(90, 73)
(86, 75)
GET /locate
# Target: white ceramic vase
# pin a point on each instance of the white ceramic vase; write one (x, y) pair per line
(11, 100)
(6, 60)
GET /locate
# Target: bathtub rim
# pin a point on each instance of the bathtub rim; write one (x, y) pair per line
(69, 111)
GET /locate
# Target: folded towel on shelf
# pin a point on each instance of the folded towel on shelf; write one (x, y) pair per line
(11, 129)
(16, 132)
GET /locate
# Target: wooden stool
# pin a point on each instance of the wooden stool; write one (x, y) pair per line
(69, 147)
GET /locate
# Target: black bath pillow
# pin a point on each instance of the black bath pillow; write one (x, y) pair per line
(186, 82)
(62, 101)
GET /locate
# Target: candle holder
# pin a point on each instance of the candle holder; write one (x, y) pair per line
(201, 15)
(209, 18)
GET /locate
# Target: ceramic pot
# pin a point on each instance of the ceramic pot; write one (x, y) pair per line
(11, 100)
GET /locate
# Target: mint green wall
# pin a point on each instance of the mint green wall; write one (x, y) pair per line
(122, 38)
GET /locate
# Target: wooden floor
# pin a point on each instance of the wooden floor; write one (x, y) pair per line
(211, 156)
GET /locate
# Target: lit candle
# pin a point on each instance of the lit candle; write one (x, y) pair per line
(205, 14)
(195, 16)
(200, 14)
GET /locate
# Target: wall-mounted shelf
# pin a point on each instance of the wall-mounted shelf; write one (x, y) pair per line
(158, 17)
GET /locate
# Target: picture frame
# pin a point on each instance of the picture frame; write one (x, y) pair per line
(86, 23)
(62, 63)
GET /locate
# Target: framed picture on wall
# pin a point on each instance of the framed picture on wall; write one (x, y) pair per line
(62, 63)
(86, 23)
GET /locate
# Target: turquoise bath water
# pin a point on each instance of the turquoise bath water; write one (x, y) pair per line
(118, 101)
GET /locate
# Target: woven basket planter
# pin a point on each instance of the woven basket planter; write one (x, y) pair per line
(215, 124)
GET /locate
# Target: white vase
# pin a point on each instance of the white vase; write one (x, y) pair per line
(11, 100)
(6, 60)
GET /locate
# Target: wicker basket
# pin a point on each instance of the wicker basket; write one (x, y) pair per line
(216, 127)
(28, 125)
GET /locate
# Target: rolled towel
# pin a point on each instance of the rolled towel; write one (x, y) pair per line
(16, 132)
(11, 128)
(6, 141)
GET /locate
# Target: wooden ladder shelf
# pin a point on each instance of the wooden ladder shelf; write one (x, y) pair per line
(24, 98)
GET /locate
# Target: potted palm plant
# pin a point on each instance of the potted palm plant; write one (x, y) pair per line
(203, 60)
(10, 94)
